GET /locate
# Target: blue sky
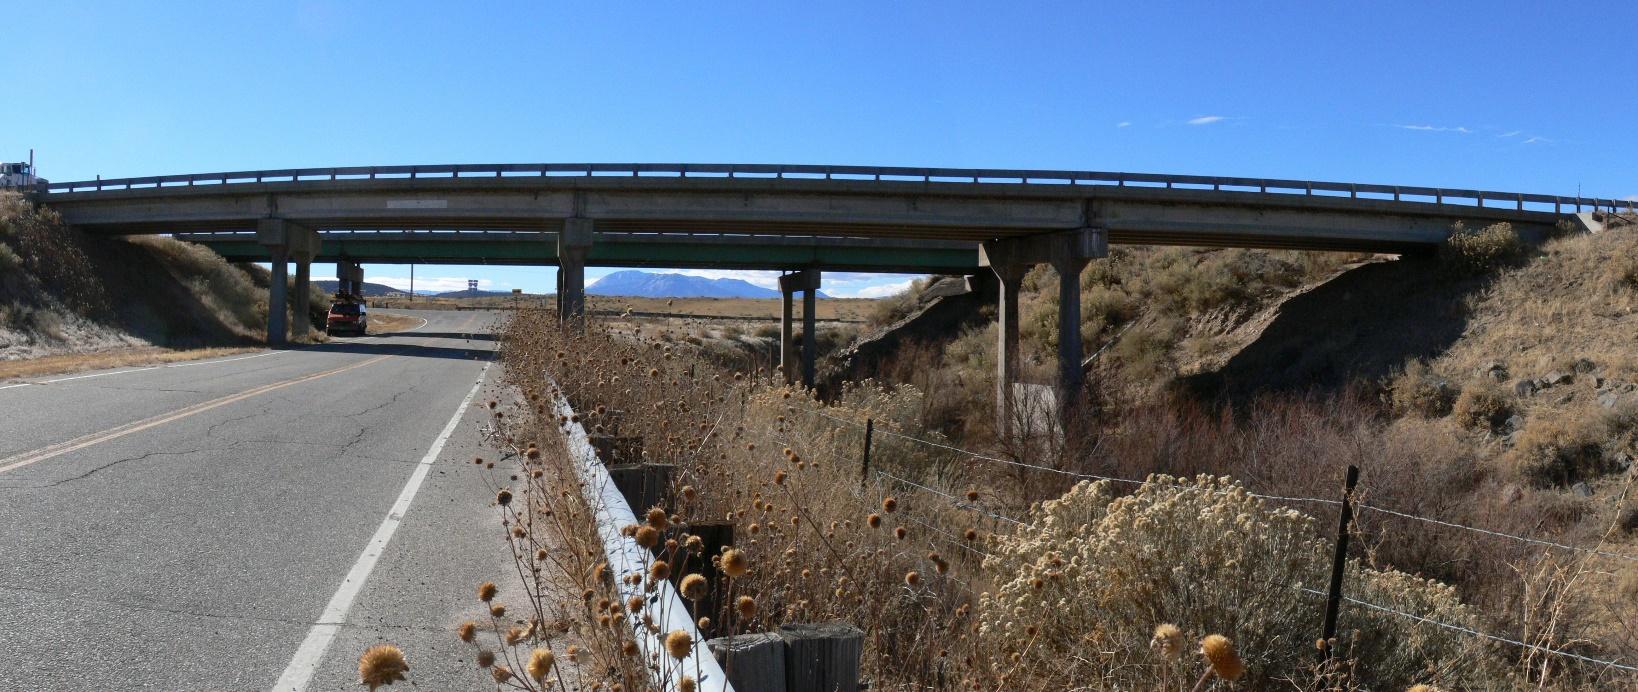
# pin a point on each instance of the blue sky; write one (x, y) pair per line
(1496, 95)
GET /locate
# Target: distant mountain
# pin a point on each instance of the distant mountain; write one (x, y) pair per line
(641, 284)
(370, 290)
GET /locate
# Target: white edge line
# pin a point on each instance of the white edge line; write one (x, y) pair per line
(300, 671)
(19, 384)
(99, 374)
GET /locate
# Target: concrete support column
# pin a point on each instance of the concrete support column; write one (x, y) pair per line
(285, 240)
(787, 359)
(278, 329)
(303, 288)
(810, 331)
(1009, 277)
(1070, 377)
(807, 281)
(349, 278)
(573, 245)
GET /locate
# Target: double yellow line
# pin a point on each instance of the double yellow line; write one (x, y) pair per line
(17, 461)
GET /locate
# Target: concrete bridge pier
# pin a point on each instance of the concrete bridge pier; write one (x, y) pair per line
(807, 281)
(1068, 253)
(349, 278)
(286, 241)
(573, 244)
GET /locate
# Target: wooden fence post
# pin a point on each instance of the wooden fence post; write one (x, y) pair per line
(1339, 561)
(864, 467)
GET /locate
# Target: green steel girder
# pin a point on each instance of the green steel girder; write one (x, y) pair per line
(863, 257)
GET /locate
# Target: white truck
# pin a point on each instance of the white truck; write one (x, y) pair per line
(18, 176)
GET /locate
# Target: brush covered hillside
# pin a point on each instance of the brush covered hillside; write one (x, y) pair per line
(62, 292)
(1493, 384)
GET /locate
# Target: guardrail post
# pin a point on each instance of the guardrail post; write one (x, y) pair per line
(1339, 561)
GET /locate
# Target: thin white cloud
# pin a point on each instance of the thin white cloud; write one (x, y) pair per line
(1124, 123)
(1436, 128)
(1206, 120)
(1631, 198)
(880, 291)
(1538, 140)
(1514, 133)
(437, 284)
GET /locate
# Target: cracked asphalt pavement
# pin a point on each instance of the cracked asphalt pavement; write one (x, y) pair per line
(198, 552)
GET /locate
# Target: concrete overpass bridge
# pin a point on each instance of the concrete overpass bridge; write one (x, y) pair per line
(801, 219)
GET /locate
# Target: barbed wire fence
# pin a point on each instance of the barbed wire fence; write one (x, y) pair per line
(963, 504)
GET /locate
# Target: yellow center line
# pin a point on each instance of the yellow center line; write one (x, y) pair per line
(24, 459)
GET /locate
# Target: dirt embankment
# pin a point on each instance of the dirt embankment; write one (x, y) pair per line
(63, 292)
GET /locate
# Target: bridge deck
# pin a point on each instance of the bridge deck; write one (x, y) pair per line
(784, 216)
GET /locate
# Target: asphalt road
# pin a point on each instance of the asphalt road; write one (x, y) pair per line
(220, 524)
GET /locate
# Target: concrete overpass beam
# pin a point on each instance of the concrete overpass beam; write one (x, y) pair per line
(1068, 253)
(285, 241)
(807, 281)
(573, 244)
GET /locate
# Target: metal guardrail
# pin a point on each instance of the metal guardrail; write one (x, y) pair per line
(1440, 196)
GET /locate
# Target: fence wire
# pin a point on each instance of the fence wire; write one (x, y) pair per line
(1264, 496)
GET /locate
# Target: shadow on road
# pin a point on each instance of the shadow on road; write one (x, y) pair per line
(413, 350)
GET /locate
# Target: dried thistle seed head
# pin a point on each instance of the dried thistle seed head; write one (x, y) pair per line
(382, 664)
(468, 631)
(735, 563)
(694, 587)
(746, 607)
(679, 644)
(647, 537)
(501, 674)
(971, 534)
(497, 610)
(779, 478)
(1219, 652)
(890, 504)
(540, 663)
(515, 635)
(874, 520)
(486, 658)
(660, 570)
(912, 578)
(629, 648)
(657, 518)
(686, 684)
(704, 624)
(487, 591)
(900, 533)
(1168, 641)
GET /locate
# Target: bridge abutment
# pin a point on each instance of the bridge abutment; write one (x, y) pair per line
(1068, 253)
(286, 241)
(807, 281)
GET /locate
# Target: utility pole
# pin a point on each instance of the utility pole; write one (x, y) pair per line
(412, 283)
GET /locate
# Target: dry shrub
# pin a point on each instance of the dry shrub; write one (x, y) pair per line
(1093, 572)
(1417, 390)
(1483, 405)
(1562, 448)
(1470, 253)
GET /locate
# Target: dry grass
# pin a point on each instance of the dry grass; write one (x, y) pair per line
(387, 322)
(123, 358)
